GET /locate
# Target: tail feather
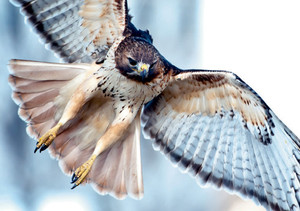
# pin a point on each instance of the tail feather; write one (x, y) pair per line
(43, 71)
(42, 90)
(36, 85)
(33, 100)
(38, 114)
(37, 130)
(30, 86)
(121, 174)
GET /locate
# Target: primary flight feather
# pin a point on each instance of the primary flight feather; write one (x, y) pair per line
(90, 110)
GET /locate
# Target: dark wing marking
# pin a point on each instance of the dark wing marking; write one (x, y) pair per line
(77, 30)
(214, 126)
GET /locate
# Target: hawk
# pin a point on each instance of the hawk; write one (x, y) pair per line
(89, 111)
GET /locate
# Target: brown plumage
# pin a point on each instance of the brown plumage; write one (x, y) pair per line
(209, 123)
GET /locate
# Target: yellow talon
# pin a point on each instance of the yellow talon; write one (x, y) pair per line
(47, 138)
(82, 171)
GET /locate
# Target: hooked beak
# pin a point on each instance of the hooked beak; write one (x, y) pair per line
(143, 70)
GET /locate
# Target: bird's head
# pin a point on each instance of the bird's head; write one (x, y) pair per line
(138, 60)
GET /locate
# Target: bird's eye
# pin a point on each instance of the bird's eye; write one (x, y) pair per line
(132, 62)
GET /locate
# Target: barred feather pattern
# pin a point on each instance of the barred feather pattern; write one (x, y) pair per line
(35, 85)
(209, 136)
(42, 91)
(77, 30)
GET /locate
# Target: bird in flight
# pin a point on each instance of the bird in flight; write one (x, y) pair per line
(90, 110)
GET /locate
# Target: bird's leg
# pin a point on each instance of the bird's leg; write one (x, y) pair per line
(111, 136)
(81, 95)
(81, 172)
(47, 138)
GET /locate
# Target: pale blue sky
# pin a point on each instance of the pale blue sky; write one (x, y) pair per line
(259, 41)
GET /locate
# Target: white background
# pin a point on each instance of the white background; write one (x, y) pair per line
(260, 41)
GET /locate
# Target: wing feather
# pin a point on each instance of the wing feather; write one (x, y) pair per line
(218, 168)
(214, 126)
(77, 30)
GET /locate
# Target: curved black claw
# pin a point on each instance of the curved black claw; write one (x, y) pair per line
(74, 186)
(74, 179)
(43, 147)
(36, 148)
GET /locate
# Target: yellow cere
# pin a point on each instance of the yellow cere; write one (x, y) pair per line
(143, 67)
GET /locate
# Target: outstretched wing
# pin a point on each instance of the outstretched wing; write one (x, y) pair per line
(77, 30)
(214, 126)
